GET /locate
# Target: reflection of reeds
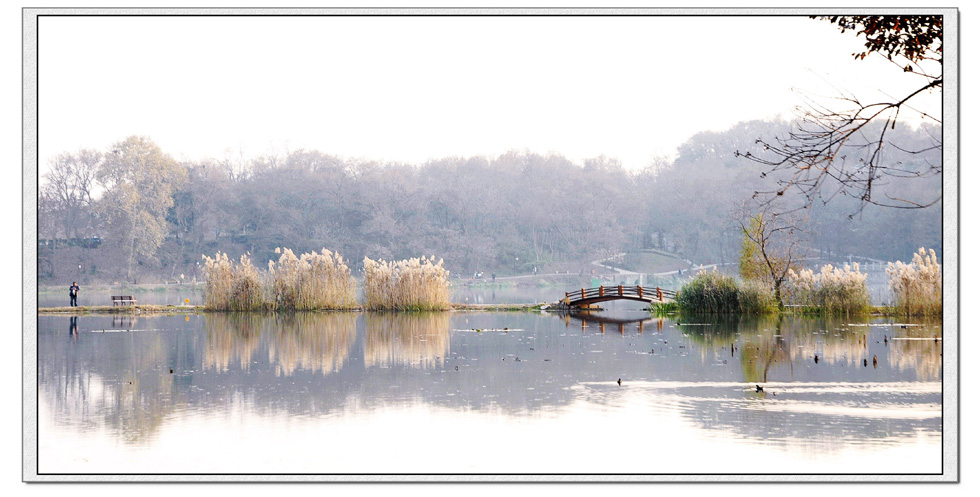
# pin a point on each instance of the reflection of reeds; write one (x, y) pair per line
(418, 340)
(412, 285)
(309, 282)
(918, 287)
(313, 342)
(230, 336)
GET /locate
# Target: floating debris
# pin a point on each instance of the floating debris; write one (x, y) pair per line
(479, 330)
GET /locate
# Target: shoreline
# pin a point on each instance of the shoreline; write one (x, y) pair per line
(199, 309)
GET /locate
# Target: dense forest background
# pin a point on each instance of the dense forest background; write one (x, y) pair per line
(133, 213)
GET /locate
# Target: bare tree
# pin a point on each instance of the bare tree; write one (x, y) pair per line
(773, 244)
(844, 150)
(70, 185)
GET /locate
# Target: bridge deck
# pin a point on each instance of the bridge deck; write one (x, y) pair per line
(586, 296)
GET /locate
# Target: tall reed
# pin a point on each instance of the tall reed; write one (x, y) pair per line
(833, 290)
(418, 284)
(917, 287)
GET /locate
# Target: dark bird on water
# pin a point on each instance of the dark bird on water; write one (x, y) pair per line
(620, 382)
(865, 363)
(816, 358)
(171, 371)
(759, 389)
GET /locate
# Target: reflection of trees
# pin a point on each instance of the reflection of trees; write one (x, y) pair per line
(114, 381)
(318, 342)
(418, 340)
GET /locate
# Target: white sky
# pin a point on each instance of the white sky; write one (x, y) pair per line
(414, 88)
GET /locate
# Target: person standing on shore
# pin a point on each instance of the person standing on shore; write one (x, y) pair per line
(73, 293)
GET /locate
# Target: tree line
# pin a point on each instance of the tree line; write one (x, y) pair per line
(148, 217)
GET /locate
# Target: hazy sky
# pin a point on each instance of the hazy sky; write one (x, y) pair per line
(414, 88)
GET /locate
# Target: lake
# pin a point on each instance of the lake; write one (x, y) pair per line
(611, 393)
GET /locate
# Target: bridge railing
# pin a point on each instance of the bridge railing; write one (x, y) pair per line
(649, 293)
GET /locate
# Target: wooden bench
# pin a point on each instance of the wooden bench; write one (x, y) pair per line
(123, 299)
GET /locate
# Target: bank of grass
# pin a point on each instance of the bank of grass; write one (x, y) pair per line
(715, 293)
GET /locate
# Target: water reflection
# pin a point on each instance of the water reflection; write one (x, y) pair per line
(134, 380)
(917, 348)
(416, 340)
(312, 342)
(762, 343)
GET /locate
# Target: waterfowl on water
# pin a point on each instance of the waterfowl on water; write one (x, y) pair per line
(759, 389)
(875, 361)
(620, 382)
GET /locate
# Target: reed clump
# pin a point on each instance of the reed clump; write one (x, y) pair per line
(312, 281)
(229, 286)
(418, 284)
(917, 287)
(833, 290)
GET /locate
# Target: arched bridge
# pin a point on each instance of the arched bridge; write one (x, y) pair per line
(587, 296)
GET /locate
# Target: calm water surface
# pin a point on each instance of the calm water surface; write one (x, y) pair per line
(487, 393)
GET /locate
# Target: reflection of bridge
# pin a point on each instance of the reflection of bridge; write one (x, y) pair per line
(588, 318)
(588, 296)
